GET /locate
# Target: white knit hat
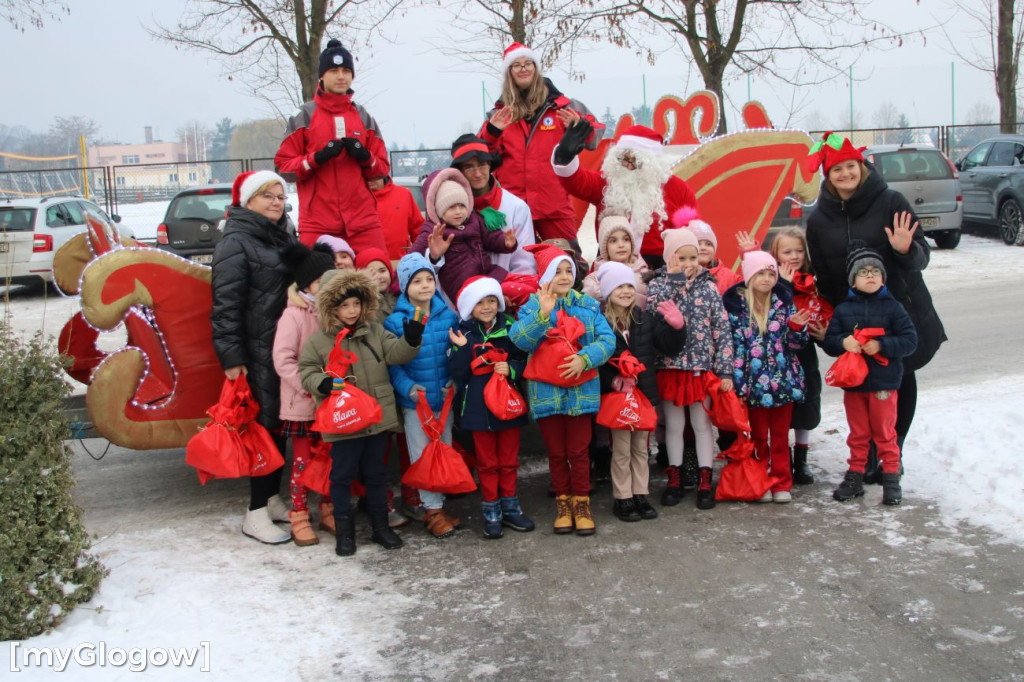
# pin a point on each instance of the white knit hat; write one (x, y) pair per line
(475, 290)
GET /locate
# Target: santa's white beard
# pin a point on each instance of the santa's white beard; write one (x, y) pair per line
(635, 194)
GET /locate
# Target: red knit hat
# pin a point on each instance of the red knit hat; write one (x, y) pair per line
(516, 51)
(640, 139)
(475, 290)
(247, 183)
(548, 257)
(830, 150)
(367, 256)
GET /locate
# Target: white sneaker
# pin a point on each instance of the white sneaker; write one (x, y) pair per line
(258, 526)
(782, 497)
(767, 497)
(278, 509)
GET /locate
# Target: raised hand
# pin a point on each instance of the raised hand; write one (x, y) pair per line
(672, 265)
(567, 116)
(547, 299)
(510, 239)
(457, 337)
(902, 235)
(573, 140)
(573, 367)
(438, 243)
(786, 271)
(673, 316)
(501, 118)
(746, 241)
(800, 319)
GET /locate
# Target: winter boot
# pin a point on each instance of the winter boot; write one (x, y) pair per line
(382, 533)
(644, 508)
(492, 519)
(257, 525)
(437, 523)
(673, 492)
(563, 514)
(705, 498)
(413, 512)
(851, 487)
(873, 469)
(327, 516)
(892, 493)
(302, 533)
(345, 537)
(801, 472)
(512, 515)
(278, 509)
(582, 517)
(688, 473)
(625, 510)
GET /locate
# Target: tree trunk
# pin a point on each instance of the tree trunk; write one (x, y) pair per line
(518, 24)
(1006, 68)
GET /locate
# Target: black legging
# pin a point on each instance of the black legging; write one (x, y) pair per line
(906, 405)
(262, 488)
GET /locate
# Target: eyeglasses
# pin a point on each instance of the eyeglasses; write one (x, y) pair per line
(475, 167)
(869, 272)
(523, 66)
(273, 197)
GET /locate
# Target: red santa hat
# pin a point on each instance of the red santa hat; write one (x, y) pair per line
(640, 139)
(247, 183)
(548, 257)
(517, 51)
(475, 290)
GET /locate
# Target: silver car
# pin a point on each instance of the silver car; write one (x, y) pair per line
(993, 180)
(929, 181)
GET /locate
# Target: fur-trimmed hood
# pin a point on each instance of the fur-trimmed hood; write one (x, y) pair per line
(434, 180)
(336, 286)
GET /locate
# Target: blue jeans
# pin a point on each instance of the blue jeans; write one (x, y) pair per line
(418, 440)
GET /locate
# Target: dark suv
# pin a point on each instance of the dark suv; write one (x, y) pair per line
(992, 179)
(194, 222)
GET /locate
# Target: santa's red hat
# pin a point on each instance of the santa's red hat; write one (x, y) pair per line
(640, 139)
(548, 257)
(516, 51)
(475, 290)
(247, 183)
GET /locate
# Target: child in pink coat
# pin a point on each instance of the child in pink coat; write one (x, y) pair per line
(298, 322)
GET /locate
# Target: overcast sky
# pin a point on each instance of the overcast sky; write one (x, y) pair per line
(101, 63)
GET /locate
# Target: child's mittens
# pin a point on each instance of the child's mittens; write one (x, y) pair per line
(324, 387)
(414, 392)
(673, 316)
(412, 329)
(623, 384)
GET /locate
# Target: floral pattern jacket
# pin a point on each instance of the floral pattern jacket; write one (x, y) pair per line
(708, 335)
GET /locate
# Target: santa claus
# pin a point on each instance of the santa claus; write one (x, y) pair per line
(635, 181)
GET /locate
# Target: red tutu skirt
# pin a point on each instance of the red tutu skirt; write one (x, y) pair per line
(681, 386)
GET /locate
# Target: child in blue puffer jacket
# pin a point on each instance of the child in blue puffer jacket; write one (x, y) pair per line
(427, 373)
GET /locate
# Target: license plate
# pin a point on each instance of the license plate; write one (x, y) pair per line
(205, 259)
(929, 222)
(4, 247)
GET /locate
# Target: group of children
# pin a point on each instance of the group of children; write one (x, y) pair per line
(688, 322)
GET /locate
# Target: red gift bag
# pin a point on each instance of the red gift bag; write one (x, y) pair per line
(347, 409)
(232, 444)
(440, 468)
(561, 341)
(743, 478)
(851, 369)
(500, 396)
(627, 410)
(806, 297)
(726, 410)
(317, 474)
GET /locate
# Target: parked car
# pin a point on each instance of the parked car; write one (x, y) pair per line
(992, 175)
(31, 231)
(929, 181)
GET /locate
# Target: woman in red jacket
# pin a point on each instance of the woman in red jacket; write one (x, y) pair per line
(524, 127)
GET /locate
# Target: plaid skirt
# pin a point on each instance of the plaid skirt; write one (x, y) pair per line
(290, 429)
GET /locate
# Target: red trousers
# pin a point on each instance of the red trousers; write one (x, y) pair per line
(769, 428)
(497, 462)
(872, 419)
(556, 228)
(568, 443)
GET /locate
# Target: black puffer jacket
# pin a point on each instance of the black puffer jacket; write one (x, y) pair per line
(864, 216)
(647, 333)
(250, 289)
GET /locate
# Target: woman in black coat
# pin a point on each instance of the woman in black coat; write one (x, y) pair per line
(856, 204)
(250, 287)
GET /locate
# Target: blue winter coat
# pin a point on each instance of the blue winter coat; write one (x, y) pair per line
(597, 345)
(471, 411)
(430, 368)
(864, 311)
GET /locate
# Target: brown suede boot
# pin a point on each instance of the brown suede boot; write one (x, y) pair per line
(437, 523)
(327, 517)
(582, 516)
(302, 532)
(563, 514)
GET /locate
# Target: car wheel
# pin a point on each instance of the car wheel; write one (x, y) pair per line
(1010, 221)
(949, 240)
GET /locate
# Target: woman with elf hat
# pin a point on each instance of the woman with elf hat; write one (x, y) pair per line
(523, 128)
(855, 204)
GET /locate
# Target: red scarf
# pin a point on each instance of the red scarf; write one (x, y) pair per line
(491, 198)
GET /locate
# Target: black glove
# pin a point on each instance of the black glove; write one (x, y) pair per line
(326, 385)
(356, 149)
(573, 140)
(413, 332)
(330, 150)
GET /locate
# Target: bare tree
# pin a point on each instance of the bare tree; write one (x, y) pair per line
(195, 135)
(993, 45)
(886, 115)
(726, 38)
(22, 14)
(273, 46)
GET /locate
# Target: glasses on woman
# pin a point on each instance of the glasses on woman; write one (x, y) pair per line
(273, 197)
(869, 272)
(523, 66)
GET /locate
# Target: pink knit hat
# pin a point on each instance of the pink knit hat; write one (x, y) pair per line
(674, 239)
(756, 261)
(613, 275)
